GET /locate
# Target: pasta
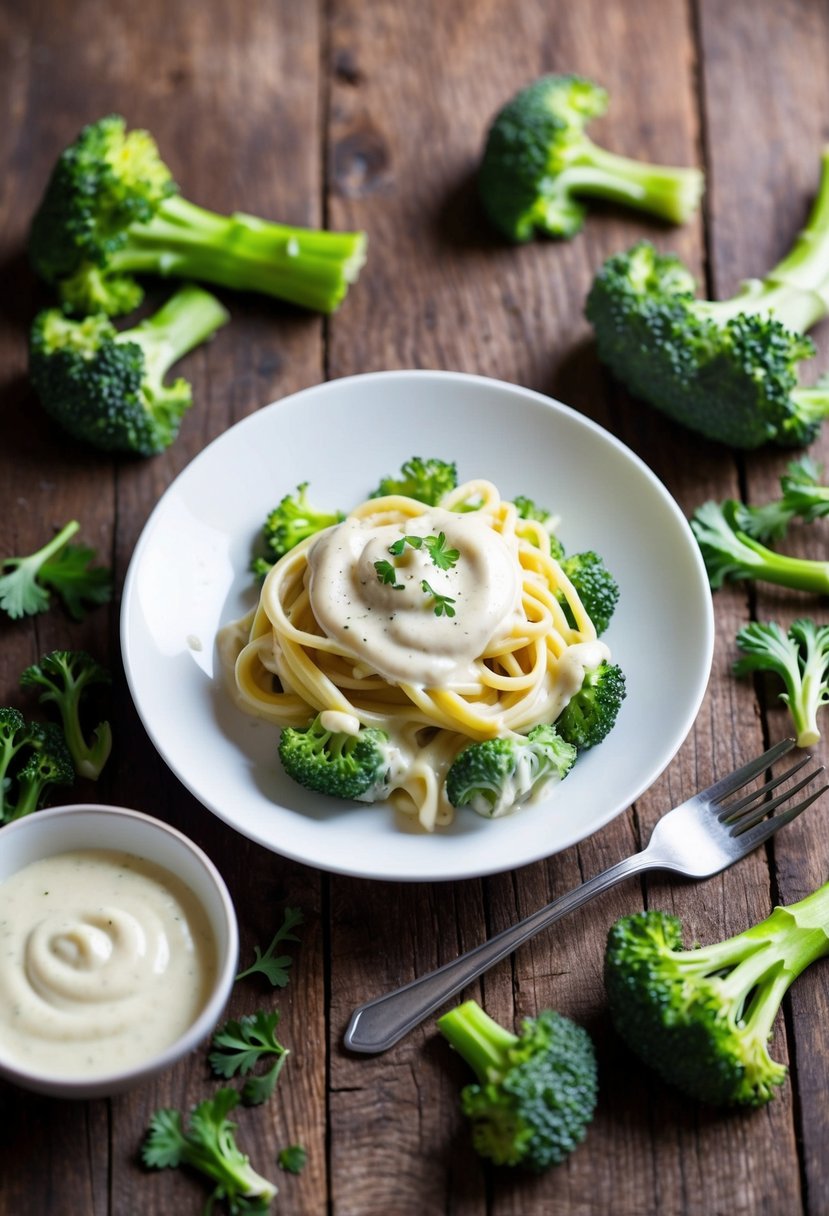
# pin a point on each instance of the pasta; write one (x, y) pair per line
(373, 623)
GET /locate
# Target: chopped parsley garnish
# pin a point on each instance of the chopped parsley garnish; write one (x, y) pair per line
(276, 968)
(387, 575)
(442, 557)
(442, 603)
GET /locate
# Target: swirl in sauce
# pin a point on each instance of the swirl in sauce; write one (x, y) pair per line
(105, 959)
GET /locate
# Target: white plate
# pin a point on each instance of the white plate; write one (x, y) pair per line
(188, 576)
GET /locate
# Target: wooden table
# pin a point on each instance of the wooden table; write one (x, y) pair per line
(364, 115)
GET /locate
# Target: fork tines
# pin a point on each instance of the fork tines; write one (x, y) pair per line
(747, 812)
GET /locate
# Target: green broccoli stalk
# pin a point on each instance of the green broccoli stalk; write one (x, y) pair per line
(335, 763)
(208, 1144)
(702, 1018)
(64, 676)
(596, 587)
(727, 369)
(294, 519)
(538, 164)
(494, 776)
(426, 480)
(800, 658)
(112, 210)
(33, 758)
(25, 582)
(731, 554)
(590, 715)
(107, 388)
(802, 496)
(536, 1091)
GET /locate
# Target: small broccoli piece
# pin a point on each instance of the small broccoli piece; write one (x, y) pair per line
(538, 164)
(528, 509)
(107, 388)
(293, 520)
(731, 554)
(57, 566)
(702, 1018)
(802, 496)
(33, 758)
(727, 369)
(208, 1144)
(112, 210)
(800, 658)
(536, 1091)
(496, 775)
(424, 480)
(336, 763)
(591, 714)
(64, 676)
(597, 588)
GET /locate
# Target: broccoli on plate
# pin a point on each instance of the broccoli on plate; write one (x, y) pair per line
(112, 210)
(727, 369)
(536, 1091)
(538, 164)
(293, 519)
(591, 713)
(493, 776)
(702, 1018)
(106, 387)
(335, 762)
(426, 480)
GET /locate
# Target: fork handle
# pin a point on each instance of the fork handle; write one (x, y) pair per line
(378, 1024)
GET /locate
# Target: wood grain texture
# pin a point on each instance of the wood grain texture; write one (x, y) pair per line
(373, 116)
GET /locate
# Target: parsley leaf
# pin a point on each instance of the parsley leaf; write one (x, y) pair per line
(65, 568)
(399, 545)
(208, 1144)
(442, 557)
(276, 968)
(387, 574)
(240, 1044)
(443, 603)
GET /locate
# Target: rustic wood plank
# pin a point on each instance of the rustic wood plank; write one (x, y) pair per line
(232, 98)
(760, 203)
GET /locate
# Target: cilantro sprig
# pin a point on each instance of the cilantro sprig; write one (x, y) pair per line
(274, 966)
(243, 1043)
(26, 582)
(208, 1144)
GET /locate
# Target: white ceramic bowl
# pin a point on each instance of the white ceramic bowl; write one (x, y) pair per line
(87, 826)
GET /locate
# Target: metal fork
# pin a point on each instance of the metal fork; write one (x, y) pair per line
(699, 838)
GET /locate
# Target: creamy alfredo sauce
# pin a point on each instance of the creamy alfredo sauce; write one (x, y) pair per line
(392, 626)
(105, 959)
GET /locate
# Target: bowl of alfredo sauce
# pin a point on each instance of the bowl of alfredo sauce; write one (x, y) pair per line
(118, 949)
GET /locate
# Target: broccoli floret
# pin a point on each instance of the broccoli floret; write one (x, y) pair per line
(597, 588)
(336, 763)
(800, 658)
(727, 369)
(208, 1144)
(802, 496)
(702, 1018)
(107, 388)
(528, 509)
(730, 553)
(591, 714)
(496, 775)
(538, 163)
(424, 480)
(57, 566)
(32, 759)
(64, 676)
(536, 1091)
(293, 520)
(112, 210)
